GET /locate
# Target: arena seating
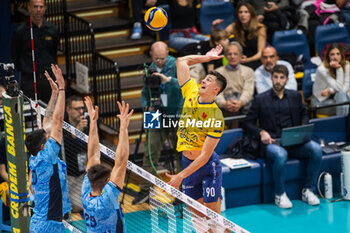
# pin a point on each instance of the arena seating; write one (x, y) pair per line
(291, 41)
(330, 33)
(308, 83)
(244, 186)
(211, 10)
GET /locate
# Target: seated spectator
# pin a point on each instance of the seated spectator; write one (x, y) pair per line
(273, 14)
(269, 60)
(217, 36)
(331, 85)
(248, 32)
(314, 13)
(236, 97)
(183, 30)
(276, 109)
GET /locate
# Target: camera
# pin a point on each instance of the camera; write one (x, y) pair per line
(268, 5)
(152, 81)
(10, 84)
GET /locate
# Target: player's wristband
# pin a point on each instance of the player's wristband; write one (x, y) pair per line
(61, 89)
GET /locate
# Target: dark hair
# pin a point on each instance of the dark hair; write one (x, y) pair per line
(217, 35)
(98, 175)
(220, 79)
(73, 98)
(34, 140)
(281, 69)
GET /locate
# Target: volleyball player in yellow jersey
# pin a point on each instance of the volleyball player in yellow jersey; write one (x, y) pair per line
(200, 131)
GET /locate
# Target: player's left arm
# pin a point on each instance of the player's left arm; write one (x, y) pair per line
(122, 152)
(207, 150)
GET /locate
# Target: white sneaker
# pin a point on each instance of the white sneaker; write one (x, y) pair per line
(283, 201)
(309, 197)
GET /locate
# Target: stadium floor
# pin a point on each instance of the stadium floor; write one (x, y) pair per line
(262, 218)
(325, 218)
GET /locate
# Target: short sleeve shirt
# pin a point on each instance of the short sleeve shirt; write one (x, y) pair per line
(49, 182)
(198, 120)
(102, 213)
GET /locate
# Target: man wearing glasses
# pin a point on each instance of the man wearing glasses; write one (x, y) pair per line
(75, 149)
(169, 102)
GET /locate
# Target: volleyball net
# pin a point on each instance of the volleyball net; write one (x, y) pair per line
(168, 209)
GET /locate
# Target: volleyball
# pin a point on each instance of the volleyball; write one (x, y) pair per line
(156, 18)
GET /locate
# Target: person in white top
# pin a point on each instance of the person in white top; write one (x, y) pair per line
(332, 81)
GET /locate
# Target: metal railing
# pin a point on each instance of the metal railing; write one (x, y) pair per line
(77, 42)
(107, 89)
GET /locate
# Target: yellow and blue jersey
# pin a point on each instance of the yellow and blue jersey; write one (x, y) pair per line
(198, 120)
(102, 213)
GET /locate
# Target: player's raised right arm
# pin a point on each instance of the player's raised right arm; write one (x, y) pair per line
(122, 152)
(183, 63)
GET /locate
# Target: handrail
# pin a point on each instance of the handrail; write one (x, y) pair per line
(319, 106)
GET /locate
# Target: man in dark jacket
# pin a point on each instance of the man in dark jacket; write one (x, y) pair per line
(276, 109)
(46, 41)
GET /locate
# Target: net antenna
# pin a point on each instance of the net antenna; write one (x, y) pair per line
(163, 208)
(37, 106)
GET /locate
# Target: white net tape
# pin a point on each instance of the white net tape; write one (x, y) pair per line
(189, 220)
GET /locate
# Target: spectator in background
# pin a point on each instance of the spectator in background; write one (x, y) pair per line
(170, 104)
(269, 60)
(217, 37)
(248, 32)
(276, 109)
(238, 94)
(273, 14)
(183, 30)
(46, 41)
(331, 85)
(48, 171)
(75, 149)
(314, 13)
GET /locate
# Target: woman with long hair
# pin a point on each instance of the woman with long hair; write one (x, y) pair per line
(332, 81)
(248, 32)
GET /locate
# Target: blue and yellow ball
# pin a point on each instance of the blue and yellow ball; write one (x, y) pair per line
(156, 18)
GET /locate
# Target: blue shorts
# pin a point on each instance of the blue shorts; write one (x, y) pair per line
(206, 182)
(37, 226)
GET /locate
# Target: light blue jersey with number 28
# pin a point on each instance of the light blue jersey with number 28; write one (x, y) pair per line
(102, 213)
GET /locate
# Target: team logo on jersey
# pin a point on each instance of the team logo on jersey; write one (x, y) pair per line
(151, 120)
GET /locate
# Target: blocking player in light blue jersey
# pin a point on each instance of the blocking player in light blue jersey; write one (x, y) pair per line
(48, 172)
(101, 186)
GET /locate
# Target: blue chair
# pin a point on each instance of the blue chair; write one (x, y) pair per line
(331, 33)
(211, 10)
(3, 227)
(226, 139)
(242, 186)
(291, 41)
(163, 34)
(307, 82)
